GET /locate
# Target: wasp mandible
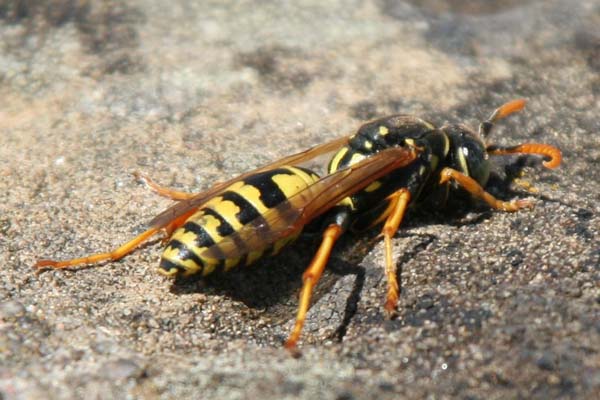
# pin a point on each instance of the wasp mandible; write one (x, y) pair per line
(374, 175)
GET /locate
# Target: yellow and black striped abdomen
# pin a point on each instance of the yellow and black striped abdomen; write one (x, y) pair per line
(236, 206)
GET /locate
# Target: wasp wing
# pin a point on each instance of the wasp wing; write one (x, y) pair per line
(185, 206)
(290, 216)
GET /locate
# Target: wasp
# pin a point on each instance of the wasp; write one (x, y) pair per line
(372, 178)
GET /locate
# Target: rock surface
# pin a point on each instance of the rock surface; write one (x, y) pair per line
(493, 305)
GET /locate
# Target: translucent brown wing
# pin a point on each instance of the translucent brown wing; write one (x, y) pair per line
(185, 206)
(290, 216)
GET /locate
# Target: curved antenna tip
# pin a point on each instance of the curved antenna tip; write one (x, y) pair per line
(508, 108)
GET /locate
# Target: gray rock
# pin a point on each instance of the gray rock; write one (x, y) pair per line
(493, 305)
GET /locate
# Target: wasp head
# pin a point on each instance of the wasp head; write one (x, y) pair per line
(467, 152)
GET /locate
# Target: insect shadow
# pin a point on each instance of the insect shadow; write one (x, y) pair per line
(273, 283)
(260, 285)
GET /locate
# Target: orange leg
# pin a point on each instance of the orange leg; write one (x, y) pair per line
(174, 224)
(114, 255)
(161, 190)
(400, 200)
(471, 186)
(310, 278)
(530, 148)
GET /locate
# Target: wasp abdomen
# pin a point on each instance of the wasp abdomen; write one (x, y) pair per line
(239, 204)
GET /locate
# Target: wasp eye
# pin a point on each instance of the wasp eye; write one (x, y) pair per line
(474, 160)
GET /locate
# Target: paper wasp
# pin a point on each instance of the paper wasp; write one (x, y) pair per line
(373, 176)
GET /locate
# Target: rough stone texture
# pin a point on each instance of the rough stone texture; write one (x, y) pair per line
(493, 305)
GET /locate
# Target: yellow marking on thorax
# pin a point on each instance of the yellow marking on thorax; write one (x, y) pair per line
(368, 145)
(446, 145)
(462, 161)
(427, 124)
(335, 161)
(347, 201)
(356, 158)
(433, 162)
(373, 186)
(383, 130)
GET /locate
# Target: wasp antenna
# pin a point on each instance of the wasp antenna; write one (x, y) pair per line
(503, 111)
(530, 148)
(507, 108)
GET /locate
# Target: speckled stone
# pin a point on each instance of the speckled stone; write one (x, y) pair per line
(493, 305)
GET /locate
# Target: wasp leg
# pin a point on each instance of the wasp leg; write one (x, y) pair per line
(530, 148)
(114, 255)
(471, 186)
(400, 200)
(173, 225)
(310, 278)
(161, 190)
(176, 223)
